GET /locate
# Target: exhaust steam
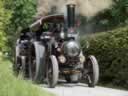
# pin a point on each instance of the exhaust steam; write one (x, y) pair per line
(88, 8)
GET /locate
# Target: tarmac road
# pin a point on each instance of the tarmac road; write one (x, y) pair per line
(80, 89)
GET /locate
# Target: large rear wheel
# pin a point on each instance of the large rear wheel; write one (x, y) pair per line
(37, 62)
(24, 67)
(17, 63)
(21, 64)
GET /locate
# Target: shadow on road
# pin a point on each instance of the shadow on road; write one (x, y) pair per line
(63, 83)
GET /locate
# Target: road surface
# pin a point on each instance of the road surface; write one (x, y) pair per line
(83, 90)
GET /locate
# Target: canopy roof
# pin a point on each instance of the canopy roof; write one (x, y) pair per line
(50, 18)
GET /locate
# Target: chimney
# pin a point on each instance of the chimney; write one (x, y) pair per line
(71, 15)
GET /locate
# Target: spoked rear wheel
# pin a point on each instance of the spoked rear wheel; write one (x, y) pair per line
(24, 67)
(53, 72)
(93, 71)
(17, 63)
(21, 65)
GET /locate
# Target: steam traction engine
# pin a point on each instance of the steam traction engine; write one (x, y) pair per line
(49, 49)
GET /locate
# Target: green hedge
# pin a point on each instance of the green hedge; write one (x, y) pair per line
(111, 50)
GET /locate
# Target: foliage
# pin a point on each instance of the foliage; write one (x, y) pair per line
(12, 86)
(22, 16)
(112, 18)
(23, 12)
(4, 20)
(119, 12)
(111, 50)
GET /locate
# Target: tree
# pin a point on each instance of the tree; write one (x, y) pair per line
(4, 20)
(118, 15)
(22, 16)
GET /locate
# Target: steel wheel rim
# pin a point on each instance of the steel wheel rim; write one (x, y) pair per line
(50, 72)
(33, 63)
(90, 71)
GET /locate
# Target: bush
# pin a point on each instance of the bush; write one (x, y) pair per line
(111, 50)
(22, 15)
(4, 20)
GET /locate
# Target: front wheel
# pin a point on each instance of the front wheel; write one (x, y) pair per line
(93, 71)
(53, 71)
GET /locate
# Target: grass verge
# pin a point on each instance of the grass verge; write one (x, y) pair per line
(12, 86)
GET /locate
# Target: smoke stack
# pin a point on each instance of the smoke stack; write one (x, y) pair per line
(71, 15)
